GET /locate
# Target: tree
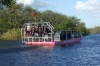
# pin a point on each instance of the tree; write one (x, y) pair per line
(7, 3)
(15, 16)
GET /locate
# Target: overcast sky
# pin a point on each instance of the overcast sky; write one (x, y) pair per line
(86, 10)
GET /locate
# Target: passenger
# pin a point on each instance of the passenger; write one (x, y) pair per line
(28, 30)
(28, 33)
(69, 36)
(61, 36)
(48, 30)
(40, 30)
(72, 35)
(34, 31)
(48, 33)
(36, 35)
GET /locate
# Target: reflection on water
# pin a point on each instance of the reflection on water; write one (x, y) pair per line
(86, 53)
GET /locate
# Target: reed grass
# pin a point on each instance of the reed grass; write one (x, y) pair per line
(13, 34)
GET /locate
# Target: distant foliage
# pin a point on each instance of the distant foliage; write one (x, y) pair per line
(14, 15)
(95, 30)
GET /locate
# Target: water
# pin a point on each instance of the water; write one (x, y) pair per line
(86, 53)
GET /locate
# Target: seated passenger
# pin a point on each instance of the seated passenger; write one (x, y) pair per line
(28, 30)
(47, 30)
(40, 30)
(72, 36)
(34, 31)
(69, 36)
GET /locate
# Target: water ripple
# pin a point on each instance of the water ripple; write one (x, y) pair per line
(86, 53)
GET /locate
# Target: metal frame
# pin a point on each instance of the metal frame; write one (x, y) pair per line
(54, 35)
(31, 38)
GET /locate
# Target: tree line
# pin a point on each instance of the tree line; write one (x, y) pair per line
(95, 30)
(13, 15)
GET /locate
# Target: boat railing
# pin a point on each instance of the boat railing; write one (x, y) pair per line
(46, 35)
(50, 25)
(57, 34)
(37, 39)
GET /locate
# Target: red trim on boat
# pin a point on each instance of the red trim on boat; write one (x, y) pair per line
(40, 43)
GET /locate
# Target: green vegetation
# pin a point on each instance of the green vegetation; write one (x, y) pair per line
(13, 16)
(94, 30)
(13, 34)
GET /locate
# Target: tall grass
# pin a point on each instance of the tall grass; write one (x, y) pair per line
(13, 34)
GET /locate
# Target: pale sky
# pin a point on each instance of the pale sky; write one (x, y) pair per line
(86, 10)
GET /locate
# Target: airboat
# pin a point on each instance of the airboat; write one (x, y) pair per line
(43, 34)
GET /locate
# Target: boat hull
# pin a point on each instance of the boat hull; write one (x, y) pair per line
(55, 43)
(68, 42)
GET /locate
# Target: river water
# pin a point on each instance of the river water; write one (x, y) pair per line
(85, 53)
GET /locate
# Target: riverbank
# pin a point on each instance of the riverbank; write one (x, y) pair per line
(13, 34)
